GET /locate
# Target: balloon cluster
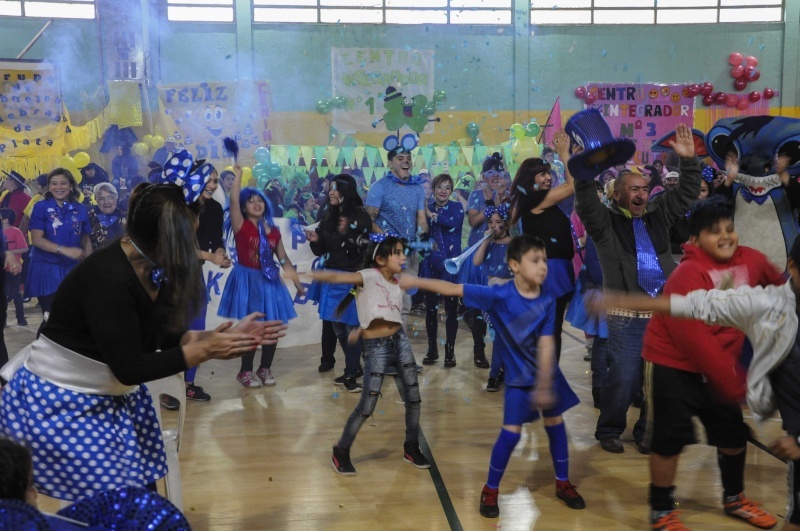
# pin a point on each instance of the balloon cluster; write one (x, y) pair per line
(587, 96)
(148, 142)
(743, 70)
(264, 169)
(523, 138)
(473, 130)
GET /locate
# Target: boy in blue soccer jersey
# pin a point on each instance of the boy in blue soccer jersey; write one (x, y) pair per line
(524, 318)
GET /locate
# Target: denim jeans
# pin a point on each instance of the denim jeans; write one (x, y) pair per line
(599, 364)
(379, 354)
(352, 351)
(624, 378)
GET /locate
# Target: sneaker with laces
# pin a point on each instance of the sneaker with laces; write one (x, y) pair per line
(751, 512)
(666, 521)
(169, 402)
(248, 379)
(489, 507)
(413, 455)
(341, 462)
(566, 492)
(265, 375)
(196, 393)
(351, 385)
(493, 385)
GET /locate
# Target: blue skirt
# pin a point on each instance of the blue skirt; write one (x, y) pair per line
(578, 317)
(44, 278)
(247, 290)
(330, 297)
(83, 444)
(560, 277)
(471, 274)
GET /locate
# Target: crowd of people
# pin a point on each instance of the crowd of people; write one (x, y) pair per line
(513, 257)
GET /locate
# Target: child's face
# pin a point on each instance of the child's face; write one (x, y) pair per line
(719, 242)
(703, 191)
(396, 261)
(255, 207)
(497, 225)
(532, 267)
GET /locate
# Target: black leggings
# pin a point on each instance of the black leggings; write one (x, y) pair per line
(432, 316)
(561, 309)
(267, 355)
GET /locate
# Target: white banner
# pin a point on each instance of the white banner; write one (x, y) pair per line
(306, 328)
(386, 87)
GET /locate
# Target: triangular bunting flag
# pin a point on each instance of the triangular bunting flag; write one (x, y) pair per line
(332, 154)
(348, 155)
(319, 154)
(336, 170)
(480, 153)
(359, 155)
(368, 173)
(323, 171)
(308, 153)
(468, 151)
(280, 154)
(441, 154)
(372, 155)
(294, 155)
(476, 170)
(507, 154)
(427, 155)
(384, 156)
(452, 155)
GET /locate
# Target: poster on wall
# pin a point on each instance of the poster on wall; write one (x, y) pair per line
(200, 115)
(642, 112)
(306, 329)
(382, 88)
(33, 117)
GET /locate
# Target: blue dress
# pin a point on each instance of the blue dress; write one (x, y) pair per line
(63, 225)
(445, 230)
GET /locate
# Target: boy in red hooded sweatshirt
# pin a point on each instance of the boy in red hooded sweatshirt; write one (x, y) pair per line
(693, 369)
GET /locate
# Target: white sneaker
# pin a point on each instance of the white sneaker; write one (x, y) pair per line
(247, 379)
(265, 375)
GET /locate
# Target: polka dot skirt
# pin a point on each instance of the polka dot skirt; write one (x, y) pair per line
(83, 444)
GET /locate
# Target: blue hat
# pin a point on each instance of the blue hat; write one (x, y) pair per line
(19, 179)
(589, 130)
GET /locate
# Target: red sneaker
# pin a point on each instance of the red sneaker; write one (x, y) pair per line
(669, 521)
(489, 507)
(566, 492)
(751, 512)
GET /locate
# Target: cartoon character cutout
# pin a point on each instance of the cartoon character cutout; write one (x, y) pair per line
(763, 203)
(408, 111)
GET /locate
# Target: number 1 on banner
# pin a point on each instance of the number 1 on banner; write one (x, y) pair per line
(371, 104)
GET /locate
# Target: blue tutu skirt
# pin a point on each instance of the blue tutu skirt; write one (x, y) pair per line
(83, 444)
(314, 292)
(247, 290)
(579, 318)
(471, 274)
(330, 297)
(560, 277)
(44, 278)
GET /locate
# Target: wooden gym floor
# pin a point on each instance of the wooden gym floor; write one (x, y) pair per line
(260, 459)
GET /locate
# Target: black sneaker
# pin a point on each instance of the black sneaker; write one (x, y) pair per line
(413, 455)
(169, 402)
(325, 366)
(22, 322)
(493, 385)
(489, 507)
(566, 492)
(194, 392)
(351, 385)
(341, 462)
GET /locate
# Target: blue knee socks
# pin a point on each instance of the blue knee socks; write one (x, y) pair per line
(501, 453)
(559, 450)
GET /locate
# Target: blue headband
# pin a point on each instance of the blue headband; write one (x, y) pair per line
(501, 211)
(380, 237)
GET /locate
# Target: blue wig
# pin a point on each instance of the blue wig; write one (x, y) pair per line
(244, 197)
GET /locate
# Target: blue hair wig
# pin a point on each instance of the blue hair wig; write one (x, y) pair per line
(244, 197)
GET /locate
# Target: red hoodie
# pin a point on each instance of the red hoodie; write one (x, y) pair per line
(693, 346)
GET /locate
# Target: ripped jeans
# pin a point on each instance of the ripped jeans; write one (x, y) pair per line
(380, 353)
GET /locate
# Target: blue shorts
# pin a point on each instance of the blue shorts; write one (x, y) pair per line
(518, 410)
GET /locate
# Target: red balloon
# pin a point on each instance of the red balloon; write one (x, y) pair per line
(731, 100)
(743, 103)
(737, 71)
(754, 76)
(706, 88)
(735, 58)
(580, 92)
(590, 98)
(720, 98)
(708, 100)
(740, 83)
(694, 89)
(750, 61)
(768, 93)
(754, 96)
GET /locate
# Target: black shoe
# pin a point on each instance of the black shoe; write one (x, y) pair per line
(341, 462)
(489, 507)
(359, 372)
(433, 354)
(169, 402)
(481, 362)
(638, 400)
(351, 385)
(325, 366)
(22, 322)
(641, 447)
(449, 355)
(493, 385)
(566, 492)
(612, 445)
(413, 455)
(418, 368)
(194, 392)
(26, 299)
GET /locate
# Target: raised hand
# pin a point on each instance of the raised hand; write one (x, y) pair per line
(683, 144)
(561, 145)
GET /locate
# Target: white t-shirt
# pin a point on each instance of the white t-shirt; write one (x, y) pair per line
(378, 298)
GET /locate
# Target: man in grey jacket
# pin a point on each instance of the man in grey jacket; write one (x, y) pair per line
(632, 241)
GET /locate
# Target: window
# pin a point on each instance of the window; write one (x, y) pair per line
(384, 11)
(200, 10)
(654, 11)
(48, 8)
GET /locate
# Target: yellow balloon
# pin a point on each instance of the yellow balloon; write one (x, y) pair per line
(525, 148)
(157, 130)
(140, 149)
(247, 176)
(75, 173)
(157, 142)
(81, 159)
(148, 139)
(66, 161)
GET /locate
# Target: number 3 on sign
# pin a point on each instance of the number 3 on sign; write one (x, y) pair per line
(371, 104)
(651, 129)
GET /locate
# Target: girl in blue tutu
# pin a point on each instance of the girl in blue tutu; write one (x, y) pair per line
(492, 266)
(254, 284)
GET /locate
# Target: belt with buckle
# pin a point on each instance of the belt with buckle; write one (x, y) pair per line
(621, 312)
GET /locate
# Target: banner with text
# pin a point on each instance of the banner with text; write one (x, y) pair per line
(384, 88)
(200, 115)
(642, 112)
(306, 329)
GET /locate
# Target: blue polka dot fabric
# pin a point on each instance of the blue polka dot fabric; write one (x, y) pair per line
(83, 444)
